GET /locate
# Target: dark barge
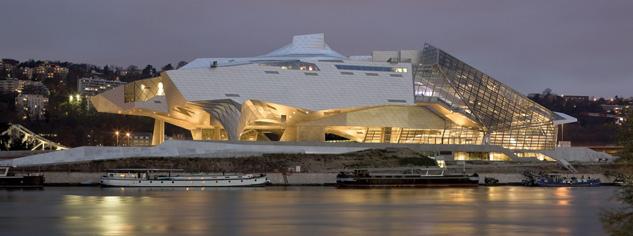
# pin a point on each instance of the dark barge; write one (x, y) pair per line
(558, 180)
(10, 180)
(413, 178)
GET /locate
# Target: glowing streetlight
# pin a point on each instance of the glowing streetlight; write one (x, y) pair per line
(128, 138)
(116, 133)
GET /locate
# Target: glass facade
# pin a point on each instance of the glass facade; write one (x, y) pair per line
(451, 135)
(509, 119)
(143, 90)
(292, 65)
(372, 68)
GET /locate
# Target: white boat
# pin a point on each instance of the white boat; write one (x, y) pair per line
(171, 178)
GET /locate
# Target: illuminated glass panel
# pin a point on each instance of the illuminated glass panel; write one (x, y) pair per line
(509, 118)
(292, 65)
(143, 90)
(373, 135)
(372, 68)
(451, 135)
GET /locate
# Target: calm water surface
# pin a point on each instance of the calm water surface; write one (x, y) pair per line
(304, 211)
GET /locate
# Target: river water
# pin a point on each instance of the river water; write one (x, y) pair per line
(304, 211)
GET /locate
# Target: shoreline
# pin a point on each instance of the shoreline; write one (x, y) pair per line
(319, 169)
(297, 179)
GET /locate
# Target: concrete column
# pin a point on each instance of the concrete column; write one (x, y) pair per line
(196, 134)
(290, 134)
(310, 134)
(158, 136)
(216, 133)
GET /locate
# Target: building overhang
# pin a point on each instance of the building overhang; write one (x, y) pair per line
(562, 118)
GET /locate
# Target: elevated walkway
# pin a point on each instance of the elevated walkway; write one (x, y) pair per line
(231, 149)
(227, 149)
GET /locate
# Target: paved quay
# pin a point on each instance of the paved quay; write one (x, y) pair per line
(92, 178)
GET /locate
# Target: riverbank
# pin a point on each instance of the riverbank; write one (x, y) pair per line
(291, 179)
(318, 169)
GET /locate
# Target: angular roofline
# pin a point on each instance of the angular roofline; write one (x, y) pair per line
(307, 45)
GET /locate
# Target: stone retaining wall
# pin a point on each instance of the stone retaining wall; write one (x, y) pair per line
(76, 178)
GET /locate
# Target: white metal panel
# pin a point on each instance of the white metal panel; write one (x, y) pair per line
(330, 89)
(307, 44)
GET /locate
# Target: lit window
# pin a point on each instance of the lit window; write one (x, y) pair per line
(292, 65)
(161, 90)
(372, 68)
(364, 68)
(400, 69)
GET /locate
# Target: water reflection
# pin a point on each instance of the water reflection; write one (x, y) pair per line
(562, 194)
(313, 211)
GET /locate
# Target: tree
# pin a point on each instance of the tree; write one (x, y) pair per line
(625, 138)
(108, 72)
(132, 69)
(620, 221)
(148, 71)
(167, 67)
(547, 92)
(181, 64)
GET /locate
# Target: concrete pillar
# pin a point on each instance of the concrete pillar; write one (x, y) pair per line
(216, 133)
(310, 134)
(158, 136)
(290, 134)
(196, 134)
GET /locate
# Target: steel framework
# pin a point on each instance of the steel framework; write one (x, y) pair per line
(41, 143)
(509, 118)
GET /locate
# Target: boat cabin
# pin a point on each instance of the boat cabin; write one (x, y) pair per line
(139, 173)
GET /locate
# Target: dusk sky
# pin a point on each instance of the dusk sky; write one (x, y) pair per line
(580, 47)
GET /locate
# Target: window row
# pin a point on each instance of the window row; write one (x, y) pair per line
(372, 68)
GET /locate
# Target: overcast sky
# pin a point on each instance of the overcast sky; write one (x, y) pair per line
(580, 47)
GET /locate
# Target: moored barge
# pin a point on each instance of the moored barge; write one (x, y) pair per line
(10, 180)
(557, 180)
(435, 177)
(172, 178)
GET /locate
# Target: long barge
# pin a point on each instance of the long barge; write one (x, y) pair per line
(435, 177)
(558, 180)
(10, 180)
(168, 178)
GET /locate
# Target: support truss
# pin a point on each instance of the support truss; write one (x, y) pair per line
(41, 143)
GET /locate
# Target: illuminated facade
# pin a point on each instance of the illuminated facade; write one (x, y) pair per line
(307, 92)
(508, 118)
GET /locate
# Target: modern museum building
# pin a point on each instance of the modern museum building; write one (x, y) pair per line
(305, 92)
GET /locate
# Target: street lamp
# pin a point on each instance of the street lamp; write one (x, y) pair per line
(128, 138)
(116, 133)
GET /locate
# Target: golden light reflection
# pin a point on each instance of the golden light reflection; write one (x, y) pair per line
(128, 215)
(286, 211)
(562, 194)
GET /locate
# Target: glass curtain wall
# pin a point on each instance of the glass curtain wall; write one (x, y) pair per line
(510, 119)
(453, 134)
(143, 90)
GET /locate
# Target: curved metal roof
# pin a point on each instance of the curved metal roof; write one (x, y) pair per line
(307, 45)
